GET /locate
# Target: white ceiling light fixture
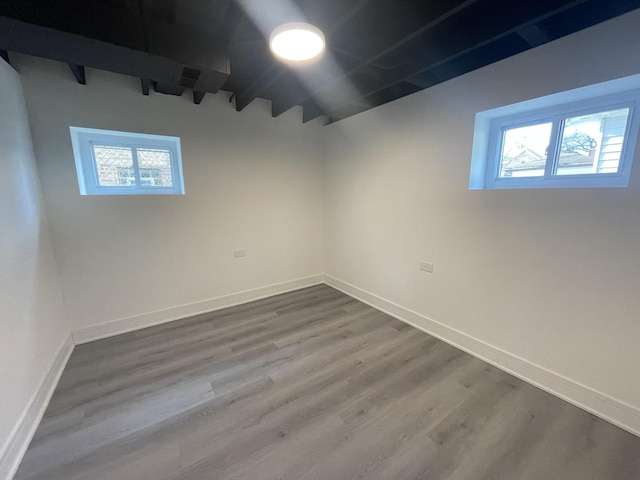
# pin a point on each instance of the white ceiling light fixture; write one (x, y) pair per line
(297, 42)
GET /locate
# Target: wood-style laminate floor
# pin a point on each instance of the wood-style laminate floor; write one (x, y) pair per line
(309, 385)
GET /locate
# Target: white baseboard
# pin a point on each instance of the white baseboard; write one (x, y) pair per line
(144, 320)
(26, 427)
(610, 409)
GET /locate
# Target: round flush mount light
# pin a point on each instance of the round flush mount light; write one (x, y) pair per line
(297, 42)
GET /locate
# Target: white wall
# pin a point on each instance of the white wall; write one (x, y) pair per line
(548, 276)
(252, 182)
(32, 321)
(551, 276)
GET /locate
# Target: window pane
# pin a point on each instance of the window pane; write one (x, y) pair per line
(524, 151)
(592, 143)
(114, 166)
(126, 176)
(150, 176)
(155, 167)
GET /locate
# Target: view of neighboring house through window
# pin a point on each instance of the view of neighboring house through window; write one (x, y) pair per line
(588, 144)
(523, 150)
(580, 138)
(593, 143)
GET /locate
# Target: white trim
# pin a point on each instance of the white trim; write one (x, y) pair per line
(607, 96)
(604, 406)
(24, 430)
(144, 320)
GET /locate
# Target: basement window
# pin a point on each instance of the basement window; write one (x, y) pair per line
(122, 163)
(581, 138)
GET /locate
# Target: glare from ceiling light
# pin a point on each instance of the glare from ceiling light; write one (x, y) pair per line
(297, 42)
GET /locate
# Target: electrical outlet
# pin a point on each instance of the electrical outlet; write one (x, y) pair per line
(426, 267)
(239, 254)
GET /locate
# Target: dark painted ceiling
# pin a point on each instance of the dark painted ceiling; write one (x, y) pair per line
(378, 50)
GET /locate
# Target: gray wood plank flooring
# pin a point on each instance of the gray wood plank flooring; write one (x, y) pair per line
(311, 384)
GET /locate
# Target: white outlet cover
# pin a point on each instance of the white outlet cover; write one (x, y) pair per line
(426, 267)
(238, 253)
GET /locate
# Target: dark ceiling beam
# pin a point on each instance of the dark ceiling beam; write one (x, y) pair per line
(234, 19)
(162, 9)
(339, 22)
(258, 86)
(276, 71)
(5, 56)
(380, 54)
(311, 112)
(418, 82)
(277, 107)
(533, 35)
(198, 96)
(78, 72)
(194, 49)
(23, 37)
(168, 88)
(404, 73)
(167, 53)
(145, 85)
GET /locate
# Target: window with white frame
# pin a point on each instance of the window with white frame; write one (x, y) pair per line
(582, 138)
(122, 163)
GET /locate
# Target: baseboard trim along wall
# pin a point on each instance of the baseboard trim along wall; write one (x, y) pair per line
(610, 409)
(32, 415)
(144, 320)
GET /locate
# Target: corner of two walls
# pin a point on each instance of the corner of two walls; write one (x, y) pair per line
(549, 276)
(542, 283)
(252, 183)
(35, 341)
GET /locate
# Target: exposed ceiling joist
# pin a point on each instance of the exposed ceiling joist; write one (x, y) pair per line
(380, 54)
(168, 88)
(406, 72)
(533, 35)
(163, 9)
(277, 107)
(418, 82)
(275, 73)
(145, 85)
(198, 96)
(233, 22)
(378, 50)
(165, 57)
(23, 37)
(311, 112)
(78, 72)
(268, 78)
